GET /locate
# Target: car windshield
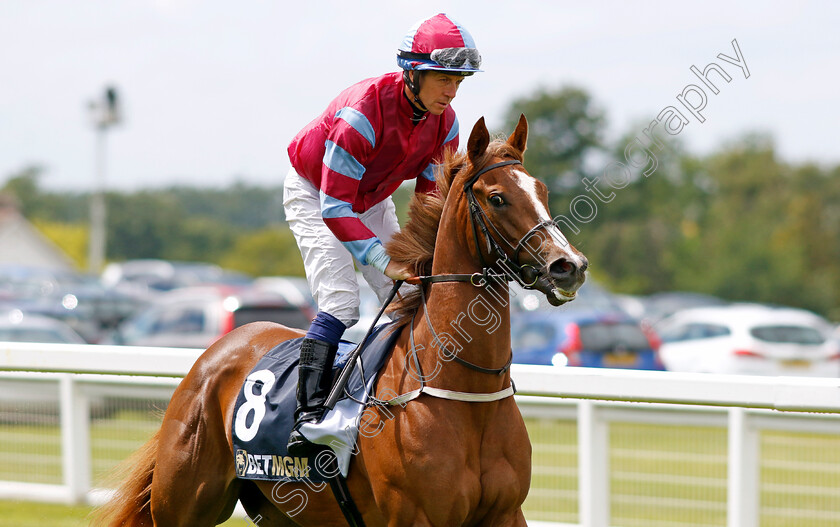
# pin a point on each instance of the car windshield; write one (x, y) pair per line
(788, 334)
(692, 331)
(607, 337)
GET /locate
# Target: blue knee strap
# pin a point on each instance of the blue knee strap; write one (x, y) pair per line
(326, 328)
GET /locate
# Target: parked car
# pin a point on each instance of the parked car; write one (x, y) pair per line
(590, 297)
(599, 339)
(80, 301)
(749, 339)
(197, 317)
(17, 326)
(653, 308)
(150, 276)
(295, 288)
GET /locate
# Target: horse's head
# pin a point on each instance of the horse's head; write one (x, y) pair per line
(510, 222)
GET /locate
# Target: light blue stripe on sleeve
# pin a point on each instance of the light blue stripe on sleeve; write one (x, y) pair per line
(360, 248)
(359, 122)
(335, 208)
(341, 161)
(429, 172)
(452, 132)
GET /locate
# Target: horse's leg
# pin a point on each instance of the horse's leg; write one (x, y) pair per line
(517, 519)
(193, 482)
(262, 510)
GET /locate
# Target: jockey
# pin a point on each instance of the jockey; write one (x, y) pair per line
(346, 164)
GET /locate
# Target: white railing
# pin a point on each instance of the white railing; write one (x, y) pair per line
(592, 399)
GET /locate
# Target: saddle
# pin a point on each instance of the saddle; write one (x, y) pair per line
(264, 412)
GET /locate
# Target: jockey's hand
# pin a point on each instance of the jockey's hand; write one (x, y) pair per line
(397, 271)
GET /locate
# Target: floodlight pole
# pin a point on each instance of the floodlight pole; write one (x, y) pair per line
(104, 113)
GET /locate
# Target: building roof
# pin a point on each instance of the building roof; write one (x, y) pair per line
(22, 244)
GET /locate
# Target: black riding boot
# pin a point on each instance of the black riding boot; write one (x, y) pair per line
(314, 384)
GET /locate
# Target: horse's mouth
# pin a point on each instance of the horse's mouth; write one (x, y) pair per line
(558, 297)
(554, 293)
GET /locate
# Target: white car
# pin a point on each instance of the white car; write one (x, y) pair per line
(749, 339)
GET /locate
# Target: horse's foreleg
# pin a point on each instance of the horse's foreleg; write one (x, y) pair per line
(517, 519)
(261, 509)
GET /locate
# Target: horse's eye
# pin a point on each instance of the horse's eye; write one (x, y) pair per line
(496, 200)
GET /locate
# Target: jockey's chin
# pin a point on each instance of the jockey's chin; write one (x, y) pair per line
(437, 108)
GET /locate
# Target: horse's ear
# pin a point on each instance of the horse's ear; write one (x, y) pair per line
(478, 142)
(519, 138)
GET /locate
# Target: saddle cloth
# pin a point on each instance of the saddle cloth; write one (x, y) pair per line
(264, 412)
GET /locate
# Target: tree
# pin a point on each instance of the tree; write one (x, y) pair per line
(266, 252)
(564, 128)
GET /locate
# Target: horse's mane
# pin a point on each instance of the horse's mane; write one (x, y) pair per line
(414, 245)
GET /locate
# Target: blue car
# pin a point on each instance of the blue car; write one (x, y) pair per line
(594, 339)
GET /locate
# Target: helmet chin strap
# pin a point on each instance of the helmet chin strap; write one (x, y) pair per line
(414, 86)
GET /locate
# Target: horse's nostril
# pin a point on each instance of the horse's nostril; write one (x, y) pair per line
(561, 267)
(585, 265)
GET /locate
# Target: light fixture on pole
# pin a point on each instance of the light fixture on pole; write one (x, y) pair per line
(104, 113)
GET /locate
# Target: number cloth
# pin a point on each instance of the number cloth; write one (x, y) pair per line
(263, 414)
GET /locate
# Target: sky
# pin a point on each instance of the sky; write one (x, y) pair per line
(213, 91)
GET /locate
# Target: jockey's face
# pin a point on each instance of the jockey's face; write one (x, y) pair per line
(437, 90)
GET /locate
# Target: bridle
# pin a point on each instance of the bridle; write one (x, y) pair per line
(508, 260)
(527, 275)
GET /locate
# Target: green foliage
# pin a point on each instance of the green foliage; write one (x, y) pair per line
(266, 252)
(564, 126)
(58, 207)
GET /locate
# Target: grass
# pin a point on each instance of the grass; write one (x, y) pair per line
(660, 475)
(28, 514)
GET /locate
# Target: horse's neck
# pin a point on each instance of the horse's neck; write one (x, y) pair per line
(470, 322)
(461, 318)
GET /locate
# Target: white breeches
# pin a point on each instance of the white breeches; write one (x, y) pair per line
(329, 266)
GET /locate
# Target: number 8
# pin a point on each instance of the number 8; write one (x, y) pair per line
(253, 402)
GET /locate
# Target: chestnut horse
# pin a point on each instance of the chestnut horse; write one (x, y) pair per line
(455, 453)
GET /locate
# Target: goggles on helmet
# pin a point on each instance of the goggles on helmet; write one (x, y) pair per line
(457, 57)
(464, 60)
